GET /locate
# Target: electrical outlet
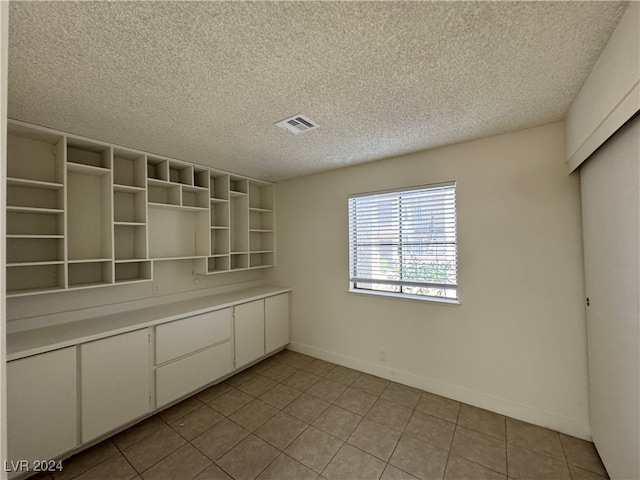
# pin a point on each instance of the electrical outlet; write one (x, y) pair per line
(196, 281)
(382, 354)
(156, 287)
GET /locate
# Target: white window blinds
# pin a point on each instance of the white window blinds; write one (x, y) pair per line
(404, 241)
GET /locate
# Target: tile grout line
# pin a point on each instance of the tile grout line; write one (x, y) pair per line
(455, 427)
(404, 429)
(566, 459)
(506, 447)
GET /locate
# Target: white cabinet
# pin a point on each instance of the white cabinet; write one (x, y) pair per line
(114, 382)
(248, 332)
(42, 405)
(276, 322)
(260, 327)
(65, 398)
(191, 353)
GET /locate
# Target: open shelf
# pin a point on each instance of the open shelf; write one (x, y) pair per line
(89, 216)
(163, 193)
(218, 264)
(219, 187)
(90, 273)
(261, 196)
(201, 177)
(177, 232)
(239, 261)
(157, 169)
(219, 215)
(34, 154)
(81, 213)
(239, 217)
(130, 242)
(195, 197)
(238, 186)
(180, 173)
(129, 206)
(88, 154)
(261, 220)
(219, 241)
(132, 271)
(261, 241)
(261, 259)
(34, 250)
(22, 221)
(33, 279)
(129, 168)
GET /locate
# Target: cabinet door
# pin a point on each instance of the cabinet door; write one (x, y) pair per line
(248, 332)
(42, 405)
(276, 322)
(114, 382)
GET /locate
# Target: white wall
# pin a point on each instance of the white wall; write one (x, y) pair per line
(517, 343)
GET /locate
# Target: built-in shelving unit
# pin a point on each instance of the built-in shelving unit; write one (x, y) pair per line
(83, 213)
(89, 214)
(130, 240)
(261, 224)
(36, 220)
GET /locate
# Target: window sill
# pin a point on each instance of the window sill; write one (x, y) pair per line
(404, 296)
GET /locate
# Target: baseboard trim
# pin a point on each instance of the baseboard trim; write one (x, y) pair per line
(524, 413)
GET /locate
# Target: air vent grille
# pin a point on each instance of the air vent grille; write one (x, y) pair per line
(297, 124)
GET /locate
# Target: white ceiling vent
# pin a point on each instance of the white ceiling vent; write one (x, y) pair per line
(297, 124)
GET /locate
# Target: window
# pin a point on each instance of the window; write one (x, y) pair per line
(404, 242)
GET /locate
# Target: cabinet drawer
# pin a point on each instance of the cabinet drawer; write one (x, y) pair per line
(179, 338)
(183, 376)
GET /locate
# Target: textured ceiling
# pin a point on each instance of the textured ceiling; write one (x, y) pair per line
(206, 81)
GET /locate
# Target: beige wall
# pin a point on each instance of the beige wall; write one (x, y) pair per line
(517, 343)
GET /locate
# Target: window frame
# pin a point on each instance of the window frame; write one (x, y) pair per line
(354, 280)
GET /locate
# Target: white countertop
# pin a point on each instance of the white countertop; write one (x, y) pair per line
(40, 340)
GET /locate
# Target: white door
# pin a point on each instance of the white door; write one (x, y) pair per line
(248, 332)
(611, 214)
(276, 322)
(114, 382)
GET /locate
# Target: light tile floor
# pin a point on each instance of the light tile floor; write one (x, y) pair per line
(295, 417)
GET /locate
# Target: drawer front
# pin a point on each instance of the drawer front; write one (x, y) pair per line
(179, 338)
(183, 376)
